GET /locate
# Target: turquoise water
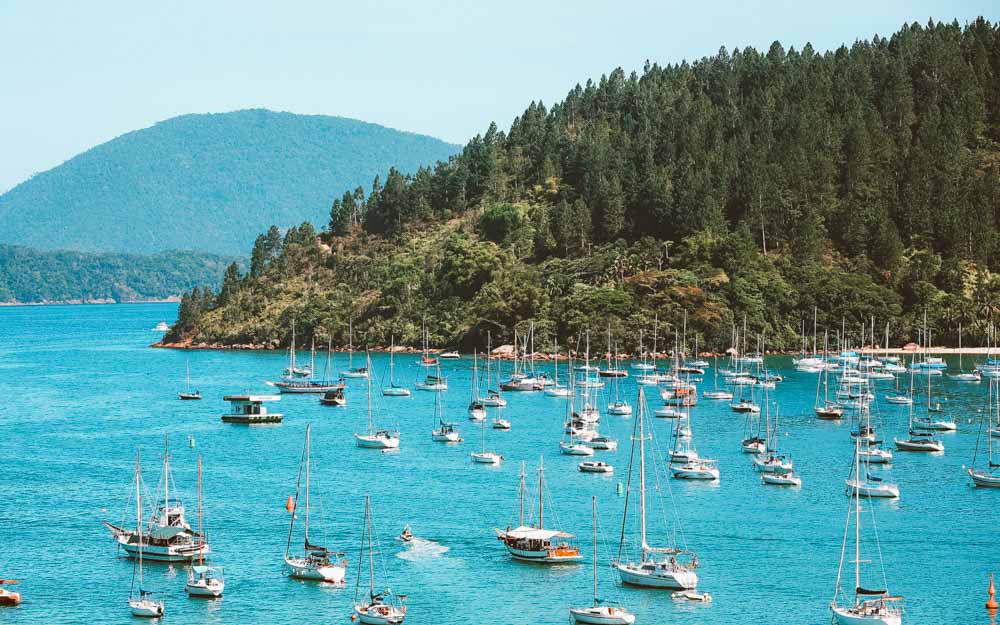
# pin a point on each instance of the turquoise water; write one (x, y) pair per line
(83, 391)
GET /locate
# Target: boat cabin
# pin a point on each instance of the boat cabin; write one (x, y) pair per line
(250, 409)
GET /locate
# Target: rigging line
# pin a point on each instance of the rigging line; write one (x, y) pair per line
(628, 480)
(878, 545)
(295, 508)
(843, 546)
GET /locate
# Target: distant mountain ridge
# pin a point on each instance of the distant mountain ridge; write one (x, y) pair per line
(206, 182)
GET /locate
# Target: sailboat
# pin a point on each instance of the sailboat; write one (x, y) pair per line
(932, 423)
(443, 431)
(426, 359)
(477, 409)
(963, 375)
(900, 398)
(309, 384)
(188, 394)
(918, 441)
(316, 563)
(293, 370)
(204, 581)
(619, 406)
(826, 409)
(753, 442)
(691, 467)
(775, 468)
(352, 371)
(383, 607)
(142, 603)
(602, 612)
(483, 456)
(613, 370)
(556, 389)
(168, 537)
(375, 439)
(868, 485)
(717, 393)
(537, 544)
(988, 476)
(393, 390)
(658, 567)
(494, 397)
(434, 383)
(869, 606)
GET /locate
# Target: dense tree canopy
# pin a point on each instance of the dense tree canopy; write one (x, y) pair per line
(863, 181)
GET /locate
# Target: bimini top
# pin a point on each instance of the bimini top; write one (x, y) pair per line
(252, 398)
(532, 533)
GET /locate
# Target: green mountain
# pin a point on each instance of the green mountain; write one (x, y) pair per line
(205, 182)
(863, 182)
(29, 276)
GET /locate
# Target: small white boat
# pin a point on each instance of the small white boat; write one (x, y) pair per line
(396, 391)
(378, 439)
(691, 595)
(667, 412)
(984, 479)
(602, 615)
(575, 449)
(605, 443)
(903, 400)
(446, 433)
(450, 355)
(875, 455)
(700, 469)
(486, 457)
(432, 383)
(501, 424)
(744, 407)
(595, 466)
(753, 445)
(619, 408)
(558, 391)
(919, 442)
(161, 327)
(477, 411)
(937, 425)
(493, 399)
(145, 607)
(717, 395)
(205, 582)
(778, 479)
(773, 464)
(872, 487)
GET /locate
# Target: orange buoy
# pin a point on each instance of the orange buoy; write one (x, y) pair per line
(991, 603)
(290, 504)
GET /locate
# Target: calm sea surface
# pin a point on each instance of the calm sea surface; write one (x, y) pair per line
(83, 391)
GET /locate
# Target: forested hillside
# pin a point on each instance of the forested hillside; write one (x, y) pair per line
(205, 182)
(32, 276)
(863, 181)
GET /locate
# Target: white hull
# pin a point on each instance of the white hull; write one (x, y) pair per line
(936, 426)
(652, 576)
(717, 395)
(843, 616)
(621, 409)
(208, 589)
(434, 388)
(667, 412)
(888, 491)
(558, 391)
(930, 446)
(781, 480)
(145, 608)
(446, 437)
(602, 615)
(486, 458)
(331, 574)
(903, 400)
(576, 449)
(694, 472)
(372, 441)
(876, 456)
(596, 467)
(379, 614)
(984, 480)
(354, 374)
(494, 402)
(396, 391)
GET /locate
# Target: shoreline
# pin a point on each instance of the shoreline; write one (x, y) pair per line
(173, 299)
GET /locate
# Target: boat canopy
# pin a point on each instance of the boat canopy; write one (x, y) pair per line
(167, 532)
(533, 533)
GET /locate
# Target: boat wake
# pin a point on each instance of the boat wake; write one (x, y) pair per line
(422, 549)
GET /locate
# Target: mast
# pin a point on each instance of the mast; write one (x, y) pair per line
(520, 521)
(857, 517)
(350, 343)
(642, 471)
(593, 509)
(541, 499)
(371, 554)
(368, 363)
(201, 534)
(312, 357)
(165, 519)
(392, 351)
(307, 487)
(138, 515)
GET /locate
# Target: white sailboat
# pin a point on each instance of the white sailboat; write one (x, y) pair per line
(929, 422)
(376, 438)
(658, 567)
(619, 407)
(142, 603)
(494, 397)
(483, 456)
(204, 581)
(535, 543)
(867, 606)
(918, 441)
(443, 431)
(477, 409)
(352, 371)
(963, 375)
(556, 389)
(394, 390)
(716, 393)
(602, 612)
(434, 383)
(316, 563)
(188, 394)
(383, 607)
(692, 467)
(988, 476)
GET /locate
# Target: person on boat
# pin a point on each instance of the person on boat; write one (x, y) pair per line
(406, 534)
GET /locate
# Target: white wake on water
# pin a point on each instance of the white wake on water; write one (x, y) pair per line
(421, 549)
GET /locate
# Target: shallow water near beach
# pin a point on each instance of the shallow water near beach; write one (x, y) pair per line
(84, 391)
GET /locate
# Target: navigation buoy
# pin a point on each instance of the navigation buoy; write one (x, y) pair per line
(991, 603)
(621, 488)
(191, 442)
(290, 504)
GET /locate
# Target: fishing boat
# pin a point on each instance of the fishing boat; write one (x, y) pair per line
(188, 394)
(989, 475)
(534, 543)
(204, 581)
(9, 598)
(867, 606)
(315, 563)
(376, 438)
(352, 371)
(141, 602)
(379, 608)
(483, 456)
(601, 612)
(168, 537)
(334, 398)
(595, 466)
(250, 409)
(657, 567)
(394, 389)
(443, 431)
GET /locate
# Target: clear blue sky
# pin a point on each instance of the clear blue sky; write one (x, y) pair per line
(75, 74)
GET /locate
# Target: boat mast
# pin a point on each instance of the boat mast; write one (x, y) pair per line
(350, 343)
(201, 534)
(857, 517)
(541, 506)
(593, 509)
(371, 554)
(307, 488)
(368, 363)
(520, 518)
(165, 520)
(642, 471)
(138, 515)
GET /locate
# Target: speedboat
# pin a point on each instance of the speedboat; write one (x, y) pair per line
(595, 466)
(450, 355)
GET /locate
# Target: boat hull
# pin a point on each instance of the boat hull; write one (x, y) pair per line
(486, 458)
(146, 609)
(205, 589)
(633, 575)
(602, 615)
(330, 573)
(843, 616)
(367, 441)
(379, 615)
(984, 480)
